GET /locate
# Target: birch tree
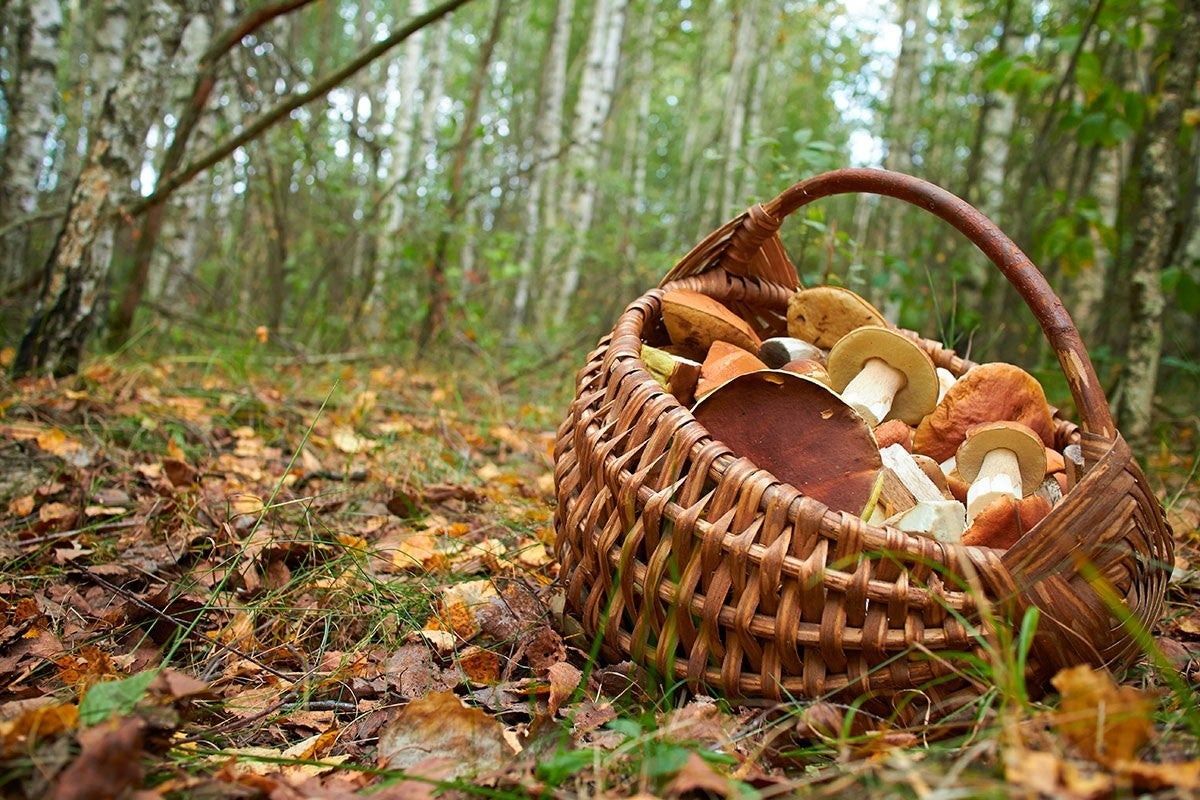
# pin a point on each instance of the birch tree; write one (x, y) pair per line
(403, 114)
(1153, 247)
(77, 267)
(543, 169)
(596, 89)
(29, 123)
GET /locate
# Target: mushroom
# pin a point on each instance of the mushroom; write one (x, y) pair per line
(883, 375)
(1002, 523)
(985, 393)
(946, 379)
(723, 362)
(905, 484)
(809, 368)
(694, 321)
(676, 374)
(894, 431)
(1000, 459)
(943, 520)
(835, 461)
(823, 314)
(780, 350)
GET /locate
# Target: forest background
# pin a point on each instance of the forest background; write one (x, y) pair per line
(505, 177)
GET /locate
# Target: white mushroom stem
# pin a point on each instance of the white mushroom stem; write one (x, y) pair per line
(999, 476)
(871, 391)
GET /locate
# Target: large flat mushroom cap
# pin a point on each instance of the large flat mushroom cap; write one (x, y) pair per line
(989, 392)
(919, 394)
(798, 430)
(823, 314)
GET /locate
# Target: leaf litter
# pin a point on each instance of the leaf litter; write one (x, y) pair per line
(242, 587)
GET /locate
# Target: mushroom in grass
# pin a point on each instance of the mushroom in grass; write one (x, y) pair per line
(883, 375)
(1000, 459)
(694, 321)
(823, 314)
(800, 431)
(985, 393)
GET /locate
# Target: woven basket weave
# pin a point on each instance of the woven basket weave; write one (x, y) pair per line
(687, 559)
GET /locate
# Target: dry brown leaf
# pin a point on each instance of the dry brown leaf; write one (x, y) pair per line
(564, 680)
(109, 762)
(697, 777)
(1107, 722)
(1157, 777)
(479, 664)
(21, 506)
(438, 727)
(35, 724)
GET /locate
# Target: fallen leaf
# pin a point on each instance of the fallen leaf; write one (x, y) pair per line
(438, 727)
(697, 777)
(1157, 777)
(109, 762)
(564, 680)
(43, 722)
(1107, 722)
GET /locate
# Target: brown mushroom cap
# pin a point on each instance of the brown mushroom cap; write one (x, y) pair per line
(894, 431)
(723, 362)
(1013, 436)
(986, 393)
(824, 314)
(694, 321)
(919, 394)
(800, 431)
(1005, 521)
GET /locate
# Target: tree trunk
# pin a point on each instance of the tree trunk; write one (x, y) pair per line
(78, 265)
(436, 294)
(390, 246)
(547, 144)
(1154, 226)
(29, 121)
(596, 90)
(737, 101)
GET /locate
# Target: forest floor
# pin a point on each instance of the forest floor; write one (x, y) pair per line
(274, 580)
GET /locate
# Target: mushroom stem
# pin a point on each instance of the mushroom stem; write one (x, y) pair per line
(871, 391)
(999, 476)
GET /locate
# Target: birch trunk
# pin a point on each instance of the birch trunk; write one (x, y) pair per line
(29, 121)
(543, 171)
(737, 100)
(404, 123)
(437, 298)
(78, 265)
(1159, 168)
(596, 91)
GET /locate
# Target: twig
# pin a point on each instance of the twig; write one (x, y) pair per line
(181, 624)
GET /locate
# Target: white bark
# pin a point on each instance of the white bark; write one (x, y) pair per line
(62, 319)
(596, 90)
(178, 251)
(737, 100)
(30, 121)
(544, 169)
(404, 124)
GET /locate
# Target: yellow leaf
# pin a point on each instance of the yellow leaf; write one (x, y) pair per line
(1107, 722)
(348, 441)
(21, 506)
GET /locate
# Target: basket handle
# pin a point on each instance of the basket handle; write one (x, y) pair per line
(1056, 324)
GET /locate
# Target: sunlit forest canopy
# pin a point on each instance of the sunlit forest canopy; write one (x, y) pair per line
(503, 177)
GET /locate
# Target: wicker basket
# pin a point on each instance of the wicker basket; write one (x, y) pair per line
(687, 559)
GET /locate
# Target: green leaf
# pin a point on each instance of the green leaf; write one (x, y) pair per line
(1187, 294)
(667, 759)
(563, 765)
(113, 697)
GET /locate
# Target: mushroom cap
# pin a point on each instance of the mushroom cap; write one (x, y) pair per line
(919, 394)
(1005, 521)
(824, 314)
(1020, 439)
(694, 321)
(723, 362)
(800, 431)
(985, 393)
